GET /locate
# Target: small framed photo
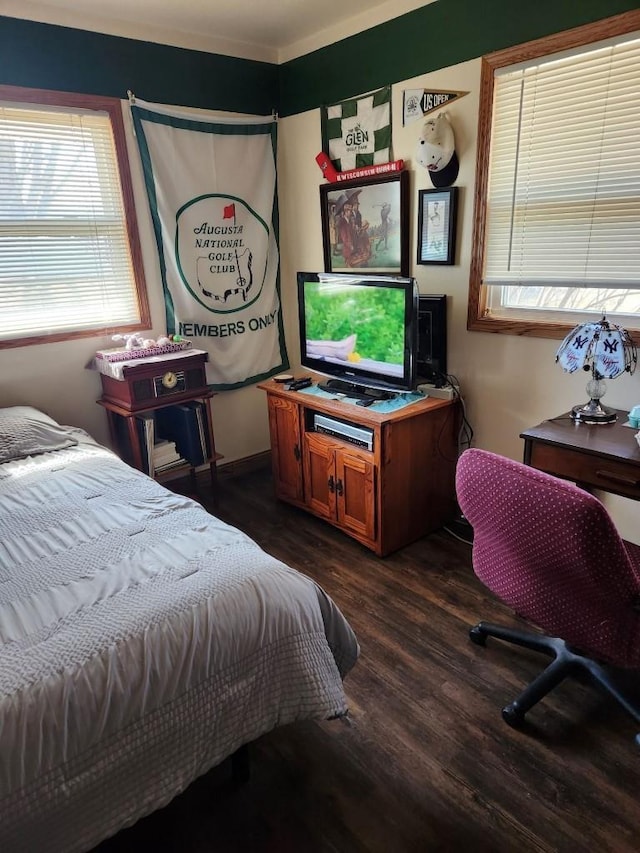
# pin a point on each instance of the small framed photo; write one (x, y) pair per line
(437, 211)
(365, 225)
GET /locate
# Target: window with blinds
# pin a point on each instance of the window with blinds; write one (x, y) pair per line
(557, 216)
(563, 203)
(65, 255)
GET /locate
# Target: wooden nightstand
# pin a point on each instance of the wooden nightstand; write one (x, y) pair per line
(134, 389)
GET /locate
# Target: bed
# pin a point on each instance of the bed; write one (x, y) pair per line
(142, 640)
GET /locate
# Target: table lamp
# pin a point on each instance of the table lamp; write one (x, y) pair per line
(607, 351)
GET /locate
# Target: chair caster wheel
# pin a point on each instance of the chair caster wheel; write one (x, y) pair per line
(476, 636)
(512, 716)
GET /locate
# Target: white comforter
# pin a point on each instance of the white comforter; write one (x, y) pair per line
(141, 642)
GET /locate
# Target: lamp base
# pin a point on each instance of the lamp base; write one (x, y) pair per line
(593, 413)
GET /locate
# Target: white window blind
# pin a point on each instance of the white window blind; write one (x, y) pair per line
(563, 202)
(65, 261)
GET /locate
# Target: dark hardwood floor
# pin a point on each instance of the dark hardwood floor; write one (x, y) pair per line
(424, 762)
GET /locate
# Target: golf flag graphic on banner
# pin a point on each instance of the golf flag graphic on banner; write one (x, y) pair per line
(212, 192)
(357, 132)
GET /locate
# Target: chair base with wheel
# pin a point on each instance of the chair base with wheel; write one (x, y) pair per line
(566, 662)
(550, 551)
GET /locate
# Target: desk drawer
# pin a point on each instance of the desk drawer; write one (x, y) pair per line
(587, 470)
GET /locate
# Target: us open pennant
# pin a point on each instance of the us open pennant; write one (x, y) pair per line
(211, 185)
(418, 102)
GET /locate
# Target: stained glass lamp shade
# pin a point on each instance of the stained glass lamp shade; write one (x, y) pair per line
(606, 351)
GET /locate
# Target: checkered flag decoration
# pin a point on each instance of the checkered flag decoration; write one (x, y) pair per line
(357, 132)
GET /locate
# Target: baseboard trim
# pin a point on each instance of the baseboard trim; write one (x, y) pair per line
(247, 465)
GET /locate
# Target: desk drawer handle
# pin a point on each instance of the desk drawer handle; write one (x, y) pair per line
(618, 478)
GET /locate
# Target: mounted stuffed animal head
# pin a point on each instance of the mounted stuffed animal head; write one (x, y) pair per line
(435, 151)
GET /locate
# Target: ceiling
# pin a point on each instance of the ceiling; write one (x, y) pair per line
(268, 30)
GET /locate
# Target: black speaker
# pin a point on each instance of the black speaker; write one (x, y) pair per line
(432, 339)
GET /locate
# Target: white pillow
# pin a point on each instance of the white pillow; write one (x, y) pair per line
(25, 431)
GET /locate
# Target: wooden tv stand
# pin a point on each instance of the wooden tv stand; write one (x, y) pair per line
(385, 497)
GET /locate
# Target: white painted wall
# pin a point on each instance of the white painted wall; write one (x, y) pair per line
(508, 383)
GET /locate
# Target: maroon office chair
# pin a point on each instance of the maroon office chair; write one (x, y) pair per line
(550, 551)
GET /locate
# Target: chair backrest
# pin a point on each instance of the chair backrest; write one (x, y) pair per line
(551, 552)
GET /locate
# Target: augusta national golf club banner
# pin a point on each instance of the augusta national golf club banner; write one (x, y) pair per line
(212, 192)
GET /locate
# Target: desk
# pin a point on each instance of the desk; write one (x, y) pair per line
(595, 456)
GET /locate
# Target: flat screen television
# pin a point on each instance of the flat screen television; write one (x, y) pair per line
(360, 330)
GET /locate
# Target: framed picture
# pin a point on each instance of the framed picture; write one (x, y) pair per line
(437, 210)
(365, 225)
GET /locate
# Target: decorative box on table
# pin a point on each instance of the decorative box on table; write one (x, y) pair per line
(140, 383)
(120, 354)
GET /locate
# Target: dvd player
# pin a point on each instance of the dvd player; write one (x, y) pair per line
(362, 436)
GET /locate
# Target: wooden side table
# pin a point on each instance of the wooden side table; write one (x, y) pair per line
(595, 456)
(147, 385)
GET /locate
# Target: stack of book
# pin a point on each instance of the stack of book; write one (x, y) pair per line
(174, 435)
(165, 456)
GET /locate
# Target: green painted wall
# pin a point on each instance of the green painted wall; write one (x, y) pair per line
(435, 36)
(44, 56)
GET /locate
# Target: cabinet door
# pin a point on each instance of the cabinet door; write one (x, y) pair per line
(319, 475)
(284, 426)
(355, 493)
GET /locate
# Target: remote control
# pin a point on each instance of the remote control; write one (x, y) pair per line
(299, 383)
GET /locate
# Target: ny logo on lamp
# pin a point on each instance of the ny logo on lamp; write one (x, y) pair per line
(607, 351)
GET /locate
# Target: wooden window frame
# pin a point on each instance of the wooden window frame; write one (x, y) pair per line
(478, 318)
(113, 107)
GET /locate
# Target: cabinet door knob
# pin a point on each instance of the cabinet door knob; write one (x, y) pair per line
(296, 452)
(331, 484)
(339, 486)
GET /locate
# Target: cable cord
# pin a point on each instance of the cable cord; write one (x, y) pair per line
(465, 435)
(456, 536)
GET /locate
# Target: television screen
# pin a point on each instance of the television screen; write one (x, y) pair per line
(360, 329)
